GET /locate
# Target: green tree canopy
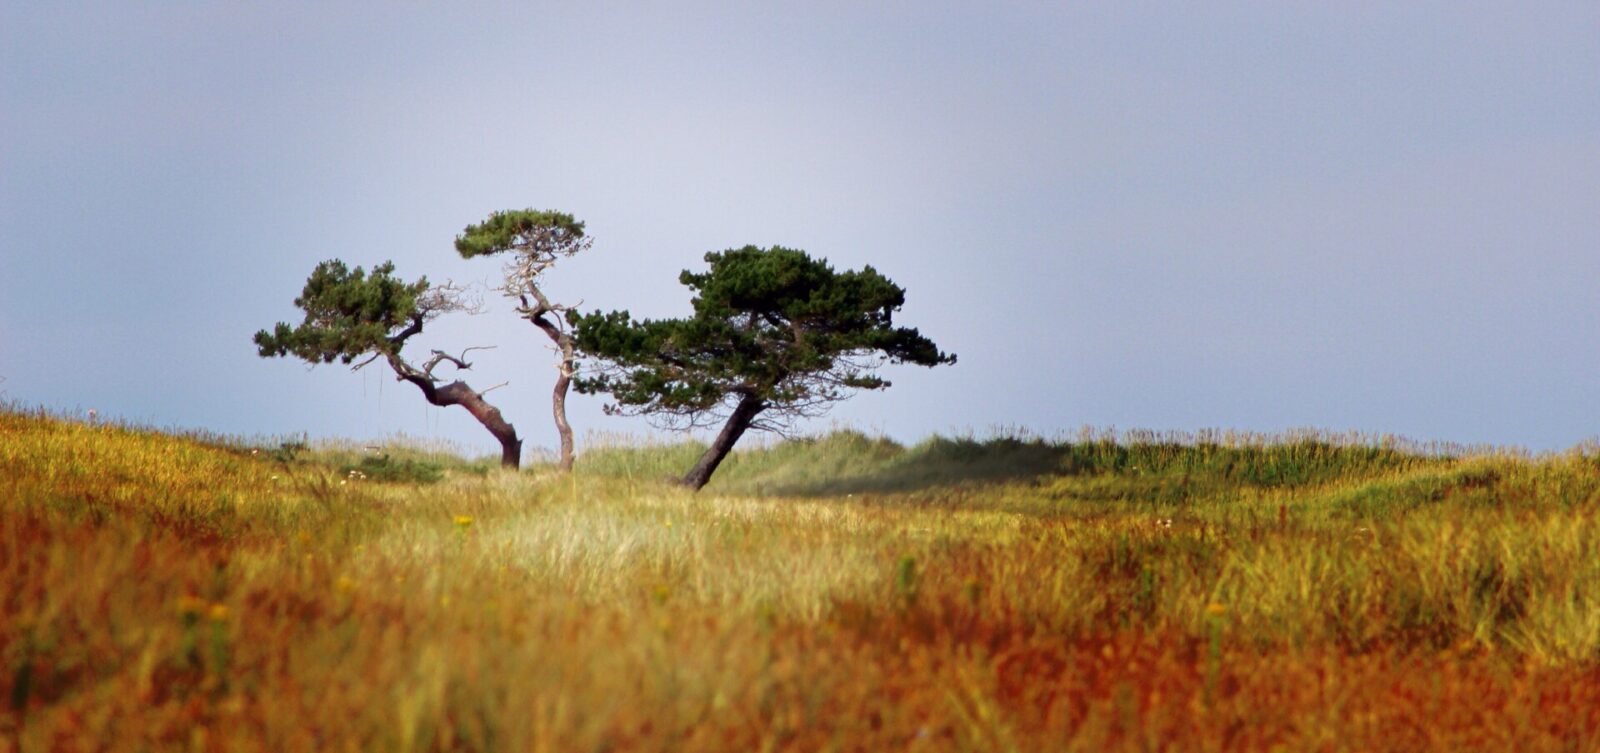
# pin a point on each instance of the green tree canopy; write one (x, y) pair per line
(775, 335)
(532, 232)
(350, 314)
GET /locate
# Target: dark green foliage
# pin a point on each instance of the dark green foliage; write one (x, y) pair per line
(348, 314)
(525, 229)
(286, 452)
(772, 324)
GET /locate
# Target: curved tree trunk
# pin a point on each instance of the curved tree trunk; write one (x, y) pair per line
(458, 393)
(743, 415)
(558, 401)
(559, 404)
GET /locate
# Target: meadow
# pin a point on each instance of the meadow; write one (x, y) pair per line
(1104, 592)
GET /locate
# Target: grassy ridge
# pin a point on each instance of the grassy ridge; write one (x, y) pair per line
(848, 462)
(842, 593)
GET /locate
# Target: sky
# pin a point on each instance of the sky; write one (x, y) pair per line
(1371, 217)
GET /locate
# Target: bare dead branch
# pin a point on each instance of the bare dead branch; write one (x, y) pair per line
(448, 297)
(373, 357)
(439, 356)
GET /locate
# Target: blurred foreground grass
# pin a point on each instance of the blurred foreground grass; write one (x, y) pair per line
(843, 593)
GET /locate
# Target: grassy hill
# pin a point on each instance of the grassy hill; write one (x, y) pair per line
(842, 593)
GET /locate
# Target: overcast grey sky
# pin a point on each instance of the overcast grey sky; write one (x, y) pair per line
(1381, 217)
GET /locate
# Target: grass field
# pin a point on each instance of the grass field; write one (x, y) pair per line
(844, 593)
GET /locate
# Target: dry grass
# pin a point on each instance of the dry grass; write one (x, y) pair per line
(163, 593)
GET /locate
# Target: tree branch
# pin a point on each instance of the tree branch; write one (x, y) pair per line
(459, 362)
(449, 297)
(398, 339)
(370, 359)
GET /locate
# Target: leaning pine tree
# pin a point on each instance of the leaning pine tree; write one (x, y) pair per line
(534, 241)
(776, 335)
(353, 315)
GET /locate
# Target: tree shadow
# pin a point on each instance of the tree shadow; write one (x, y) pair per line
(938, 462)
(849, 463)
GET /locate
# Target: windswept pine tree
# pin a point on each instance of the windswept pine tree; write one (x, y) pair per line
(350, 315)
(776, 335)
(535, 240)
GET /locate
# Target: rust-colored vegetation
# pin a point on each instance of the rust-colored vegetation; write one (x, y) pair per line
(839, 594)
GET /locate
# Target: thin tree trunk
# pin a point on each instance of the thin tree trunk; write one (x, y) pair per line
(559, 404)
(743, 415)
(558, 401)
(458, 393)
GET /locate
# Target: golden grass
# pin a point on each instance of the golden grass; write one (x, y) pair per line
(162, 593)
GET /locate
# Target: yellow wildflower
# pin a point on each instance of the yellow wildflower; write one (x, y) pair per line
(190, 605)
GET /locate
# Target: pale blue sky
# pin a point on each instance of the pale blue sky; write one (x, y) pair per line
(1381, 217)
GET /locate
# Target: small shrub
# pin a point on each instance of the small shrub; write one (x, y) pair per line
(395, 470)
